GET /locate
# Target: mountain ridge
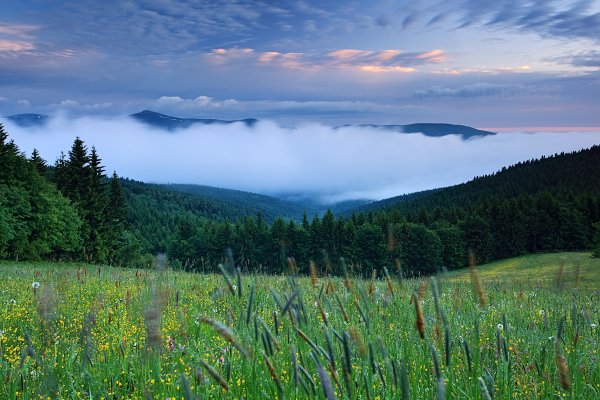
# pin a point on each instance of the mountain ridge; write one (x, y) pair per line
(168, 122)
(171, 123)
(430, 129)
(29, 119)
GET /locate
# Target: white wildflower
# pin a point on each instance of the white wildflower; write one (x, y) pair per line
(35, 285)
(500, 326)
(593, 326)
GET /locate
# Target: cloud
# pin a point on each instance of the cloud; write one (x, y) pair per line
(589, 59)
(16, 38)
(315, 160)
(20, 30)
(390, 60)
(12, 45)
(547, 18)
(75, 105)
(150, 26)
(484, 89)
(268, 109)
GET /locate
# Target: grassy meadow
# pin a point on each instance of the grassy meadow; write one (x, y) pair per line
(520, 328)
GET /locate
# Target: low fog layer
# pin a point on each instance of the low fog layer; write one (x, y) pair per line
(314, 160)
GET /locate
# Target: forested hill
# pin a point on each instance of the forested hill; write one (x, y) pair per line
(156, 209)
(563, 175)
(246, 202)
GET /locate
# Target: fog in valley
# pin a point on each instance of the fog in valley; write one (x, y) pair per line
(311, 160)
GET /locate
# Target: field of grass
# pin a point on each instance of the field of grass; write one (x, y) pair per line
(577, 269)
(522, 330)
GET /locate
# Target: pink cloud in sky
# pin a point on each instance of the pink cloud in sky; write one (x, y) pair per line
(390, 60)
(13, 45)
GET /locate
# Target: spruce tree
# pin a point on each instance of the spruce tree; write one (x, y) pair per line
(78, 173)
(115, 220)
(116, 210)
(95, 207)
(39, 163)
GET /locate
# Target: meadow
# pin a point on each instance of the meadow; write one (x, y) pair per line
(521, 328)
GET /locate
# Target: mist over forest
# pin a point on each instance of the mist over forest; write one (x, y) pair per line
(311, 160)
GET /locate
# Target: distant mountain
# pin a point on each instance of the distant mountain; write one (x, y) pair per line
(170, 123)
(162, 121)
(432, 129)
(28, 120)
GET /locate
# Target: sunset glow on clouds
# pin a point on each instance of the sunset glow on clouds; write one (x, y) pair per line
(344, 59)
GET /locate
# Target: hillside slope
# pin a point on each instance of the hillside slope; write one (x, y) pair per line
(561, 175)
(155, 210)
(544, 267)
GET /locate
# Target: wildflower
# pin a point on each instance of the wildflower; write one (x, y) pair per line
(234, 287)
(500, 326)
(171, 343)
(542, 312)
(35, 285)
(593, 326)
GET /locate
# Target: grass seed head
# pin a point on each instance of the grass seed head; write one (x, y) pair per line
(419, 320)
(215, 375)
(561, 364)
(313, 274)
(476, 280)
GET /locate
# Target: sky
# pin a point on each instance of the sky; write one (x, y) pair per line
(495, 64)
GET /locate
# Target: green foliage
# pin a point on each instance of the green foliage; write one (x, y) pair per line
(495, 217)
(596, 252)
(81, 221)
(36, 221)
(103, 209)
(420, 249)
(453, 245)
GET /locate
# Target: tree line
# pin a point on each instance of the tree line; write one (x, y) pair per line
(71, 211)
(551, 204)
